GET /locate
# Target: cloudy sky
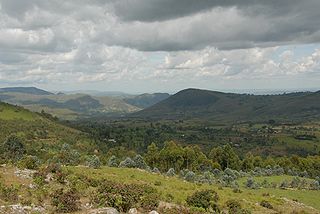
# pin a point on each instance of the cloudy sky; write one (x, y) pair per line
(160, 45)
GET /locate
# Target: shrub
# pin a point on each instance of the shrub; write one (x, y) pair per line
(139, 162)
(284, 184)
(29, 162)
(156, 170)
(266, 204)
(250, 183)
(65, 200)
(315, 185)
(206, 199)
(190, 176)
(171, 172)
(13, 148)
(150, 201)
(233, 206)
(295, 182)
(94, 162)
(112, 162)
(127, 163)
(124, 196)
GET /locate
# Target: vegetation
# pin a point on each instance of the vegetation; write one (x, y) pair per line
(146, 164)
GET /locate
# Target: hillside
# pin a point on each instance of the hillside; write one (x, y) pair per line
(218, 106)
(39, 132)
(146, 100)
(67, 107)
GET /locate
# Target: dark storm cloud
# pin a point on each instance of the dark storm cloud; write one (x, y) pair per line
(159, 10)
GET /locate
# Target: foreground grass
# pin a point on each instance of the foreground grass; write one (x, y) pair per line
(175, 190)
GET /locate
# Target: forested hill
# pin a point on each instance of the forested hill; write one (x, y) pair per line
(218, 106)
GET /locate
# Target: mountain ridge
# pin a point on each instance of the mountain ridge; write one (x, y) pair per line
(194, 103)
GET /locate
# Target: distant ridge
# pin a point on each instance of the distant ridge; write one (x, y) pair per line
(146, 100)
(217, 106)
(25, 90)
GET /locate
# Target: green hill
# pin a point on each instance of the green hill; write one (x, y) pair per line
(41, 135)
(218, 106)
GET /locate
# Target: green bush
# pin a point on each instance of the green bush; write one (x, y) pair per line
(29, 162)
(94, 162)
(266, 204)
(206, 199)
(65, 200)
(13, 148)
(124, 196)
(235, 207)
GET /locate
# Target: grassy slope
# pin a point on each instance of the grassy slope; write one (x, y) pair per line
(31, 127)
(180, 189)
(8, 112)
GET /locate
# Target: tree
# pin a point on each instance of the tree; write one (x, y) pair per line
(152, 155)
(226, 157)
(171, 156)
(248, 162)
(13, 148)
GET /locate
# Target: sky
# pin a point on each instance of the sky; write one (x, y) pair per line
(160, 45)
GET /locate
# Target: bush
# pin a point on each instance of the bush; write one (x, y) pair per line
(266, 204)
(206, 199)
(250, 183)
(233, 206)
(150, 201)
(65, 200)
(139, 162)
(190, 176)
(315, 185)
(29, 162)
(171, 172)
(94, 162)
(156, 170)
(124, 196)
(127, 163)
(112, 162)
(13, 148)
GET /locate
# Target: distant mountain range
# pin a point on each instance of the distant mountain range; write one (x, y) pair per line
(74, 106)
(218, 106)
